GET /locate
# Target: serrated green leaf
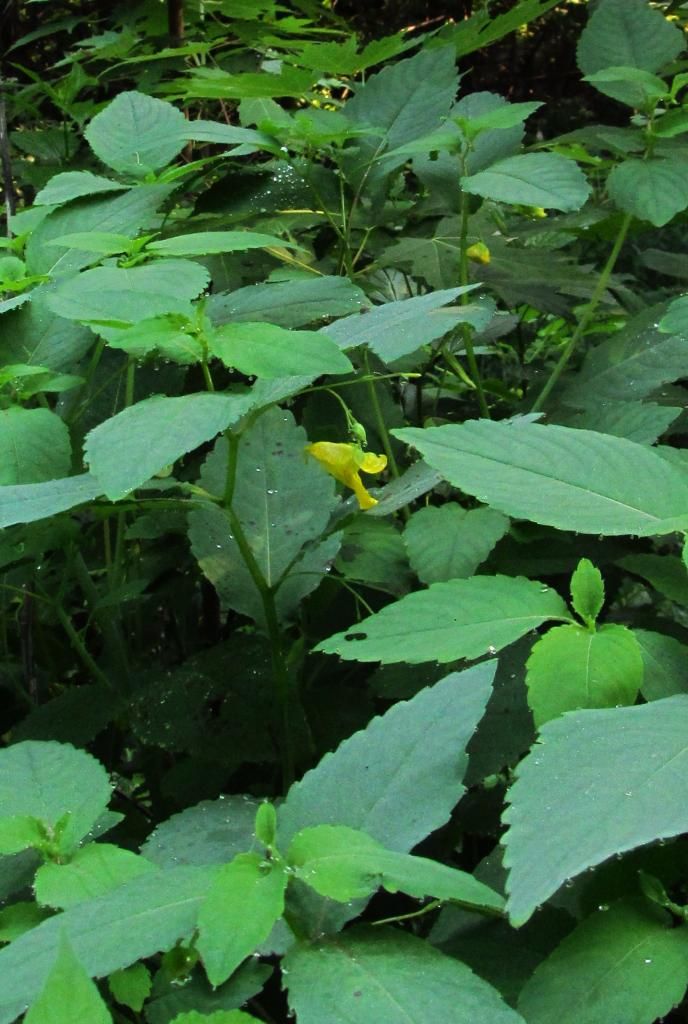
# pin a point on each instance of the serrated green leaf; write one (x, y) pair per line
(52, 782)
(68, 996)
(92, 871)
(209, 833)
(136, 134)
(666, 664)
(287, 303)
(629, 33)
(133, 922)
(34, 446)
(20, 832)
(597, 783)
(587, 591)
(557, 476)
(122, 295)
(654, 190)
(126, 450)
(625, 963)
(268, 351)
(245, 900)
(532, 179)
(448, 542)
(104, 242)
(448, 621)
(373, 975)
(398, 328)
(206, 243)
(633, 86)
(345, 864)
(386, 780)
(131, 986)
(25, 503)
(62, 188)
(170, 336)
(571, 668)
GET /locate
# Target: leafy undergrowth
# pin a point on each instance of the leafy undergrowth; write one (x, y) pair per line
(344, 495)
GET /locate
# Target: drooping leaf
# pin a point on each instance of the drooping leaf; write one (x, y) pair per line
(653, 190)
(25, 503)
(126, 450)
(268, 351)
(92, 871)
(68, 996)
(54, 783)
(345, 864)
(371, 974)
(126, 295)
(532, 179)
(622, 963)
(571, 667)
(396, 329)
(136, 134)
(448, 542)
(448, 621)
(386, 780)
(668, 574)
(245, 900)
(62, 188)
(288, 303)
(135, 921)
(558, 476)
(597, 783)
(629, 33)
(34, 446)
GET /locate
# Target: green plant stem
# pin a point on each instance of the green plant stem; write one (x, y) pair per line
(379, 418)
(78, 645)
(463, 299)
(109, 627)
(587, 316)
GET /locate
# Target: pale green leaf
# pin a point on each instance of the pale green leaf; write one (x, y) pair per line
(25, 503)
(628, 33)
(654, 190)
(62, 188)
(53, 782)
(666, 664)
(245, 900)
(288, 303)
(213, 83)
(131, 986)
(124, 295)
(265, 350)
(206, 243)
(532, 179)
(626, 963)
(171, 337)
(345, 864)
(398, 328)
(68, 996)
(34, 446)
(20, 832)
(136, 133)
(133, 922)
(448, 542)
(92, 871)
(558, 476)
(597, 783)
(387, 976)
(587, 591)
(387, 780)
(126, 450)
(448, 621)
(106, 243)
(571, 667)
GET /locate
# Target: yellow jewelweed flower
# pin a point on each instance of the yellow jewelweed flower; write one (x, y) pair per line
(478, 252)
(345, 462)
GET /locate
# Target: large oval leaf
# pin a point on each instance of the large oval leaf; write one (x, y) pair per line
(571, 479)
(448, 621)
(136, 133)
(596, 784)
(532, 179)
